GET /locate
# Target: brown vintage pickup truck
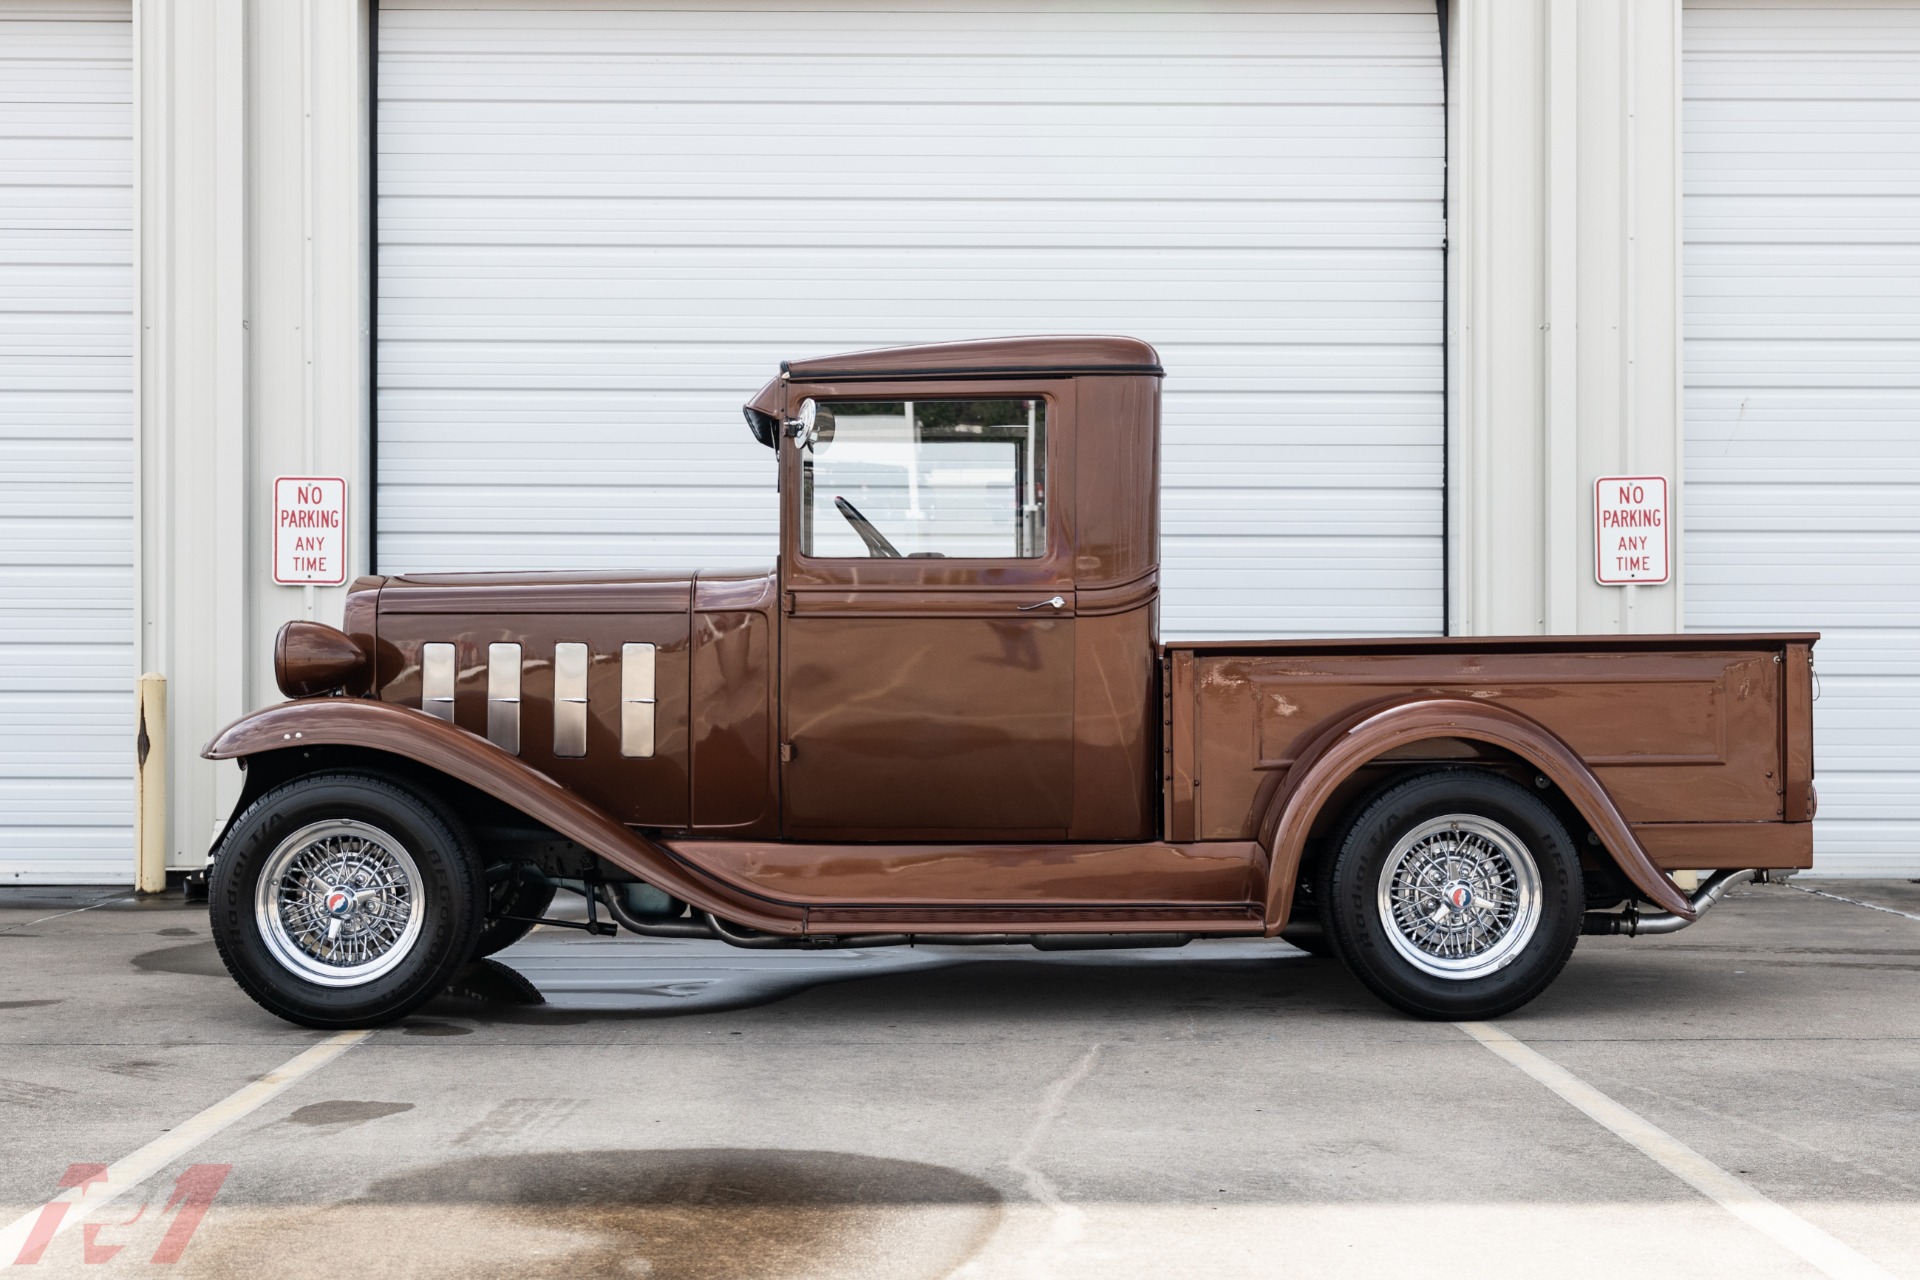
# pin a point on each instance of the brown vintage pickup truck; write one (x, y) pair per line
(946, 715)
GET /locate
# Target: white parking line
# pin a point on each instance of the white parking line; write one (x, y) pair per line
(1786, 1228)
(60, 915)
(79, 1203)
(1871, 906)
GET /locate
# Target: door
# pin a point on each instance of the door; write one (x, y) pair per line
(1803, 382)
(927, 647)
(584, 212)
(67, 459)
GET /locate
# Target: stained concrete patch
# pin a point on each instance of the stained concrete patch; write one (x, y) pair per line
(420, 1027)
(198, 959)
(28, 1093)
(177, 933)
(343, 1112)
(26, 1004)
(515, 1119)
(714, 1214)
(137, 1069)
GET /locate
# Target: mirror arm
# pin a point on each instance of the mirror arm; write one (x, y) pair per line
(801, 428)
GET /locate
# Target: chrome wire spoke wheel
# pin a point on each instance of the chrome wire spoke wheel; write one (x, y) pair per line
(340, 903)
(1459, 896)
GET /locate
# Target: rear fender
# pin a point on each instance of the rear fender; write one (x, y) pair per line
(1349, 742)
(454, 753)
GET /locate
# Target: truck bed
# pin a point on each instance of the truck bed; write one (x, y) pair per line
(1704, 741)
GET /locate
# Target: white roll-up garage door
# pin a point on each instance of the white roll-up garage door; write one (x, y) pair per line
(66, 443)
(600, 230)
(1803, 381)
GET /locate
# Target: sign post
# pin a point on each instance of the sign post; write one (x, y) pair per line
(309, 531)
(1630, 536)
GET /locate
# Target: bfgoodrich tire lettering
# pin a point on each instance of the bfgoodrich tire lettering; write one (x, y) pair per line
(1455, 893)
(345, 900)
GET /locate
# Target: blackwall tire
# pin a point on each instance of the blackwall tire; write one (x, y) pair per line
(345, 900)
(515, 895)
(1455, 894)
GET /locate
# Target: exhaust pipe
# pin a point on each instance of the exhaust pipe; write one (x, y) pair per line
(1633, 922)
(613, 897)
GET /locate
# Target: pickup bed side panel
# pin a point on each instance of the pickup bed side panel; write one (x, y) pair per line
(1675, 736)
(1339, 752)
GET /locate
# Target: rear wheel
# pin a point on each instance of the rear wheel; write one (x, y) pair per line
(345, 900)
(1455, 894)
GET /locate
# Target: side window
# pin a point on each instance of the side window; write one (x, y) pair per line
(926, 478)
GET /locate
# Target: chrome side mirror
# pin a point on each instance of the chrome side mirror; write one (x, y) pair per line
(801, 430)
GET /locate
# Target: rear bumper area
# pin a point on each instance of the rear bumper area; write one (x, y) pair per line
(1715, 846)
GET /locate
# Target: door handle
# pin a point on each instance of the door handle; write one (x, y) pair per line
(1058, 602)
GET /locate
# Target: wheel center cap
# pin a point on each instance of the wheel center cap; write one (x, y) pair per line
(339, 903)
(1459, 895)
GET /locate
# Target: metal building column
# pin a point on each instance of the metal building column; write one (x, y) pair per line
(1564, 214)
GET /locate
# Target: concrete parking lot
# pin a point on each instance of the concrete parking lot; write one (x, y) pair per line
(680, 1109)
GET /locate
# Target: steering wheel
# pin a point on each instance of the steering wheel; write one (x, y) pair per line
(878, 548)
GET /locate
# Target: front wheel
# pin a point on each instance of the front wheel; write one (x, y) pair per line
(1455, 894)
(345, 900)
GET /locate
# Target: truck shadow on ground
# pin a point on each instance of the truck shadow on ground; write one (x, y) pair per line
(573, 984)
(929, 986)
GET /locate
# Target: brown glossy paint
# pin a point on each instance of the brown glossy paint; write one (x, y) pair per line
(1337, 750)
(1007, 874)
(1674, 735)
(310, 658)
(401, 731)
(1710, 845)
(733, 716)
(652, 792)
(921, 699)
(854, 745)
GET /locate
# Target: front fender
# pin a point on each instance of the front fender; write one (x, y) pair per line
(1339, 749)
(468, 758)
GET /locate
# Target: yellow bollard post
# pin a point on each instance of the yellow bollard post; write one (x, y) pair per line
(150, 786)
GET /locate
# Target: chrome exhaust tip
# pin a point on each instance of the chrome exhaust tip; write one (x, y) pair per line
(1634, 922)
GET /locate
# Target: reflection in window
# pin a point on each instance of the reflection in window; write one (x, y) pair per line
(926, 478)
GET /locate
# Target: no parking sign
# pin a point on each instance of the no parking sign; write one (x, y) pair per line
(310, 531)
(1630, 530)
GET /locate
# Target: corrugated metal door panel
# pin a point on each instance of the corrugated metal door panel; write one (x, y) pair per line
(66, 443)
(1802, 501)
(599, 231)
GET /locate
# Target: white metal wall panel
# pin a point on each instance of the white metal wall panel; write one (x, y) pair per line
(600, 230)
(1803, 382)
(66, 443)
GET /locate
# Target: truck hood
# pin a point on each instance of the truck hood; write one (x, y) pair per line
(664, 591)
